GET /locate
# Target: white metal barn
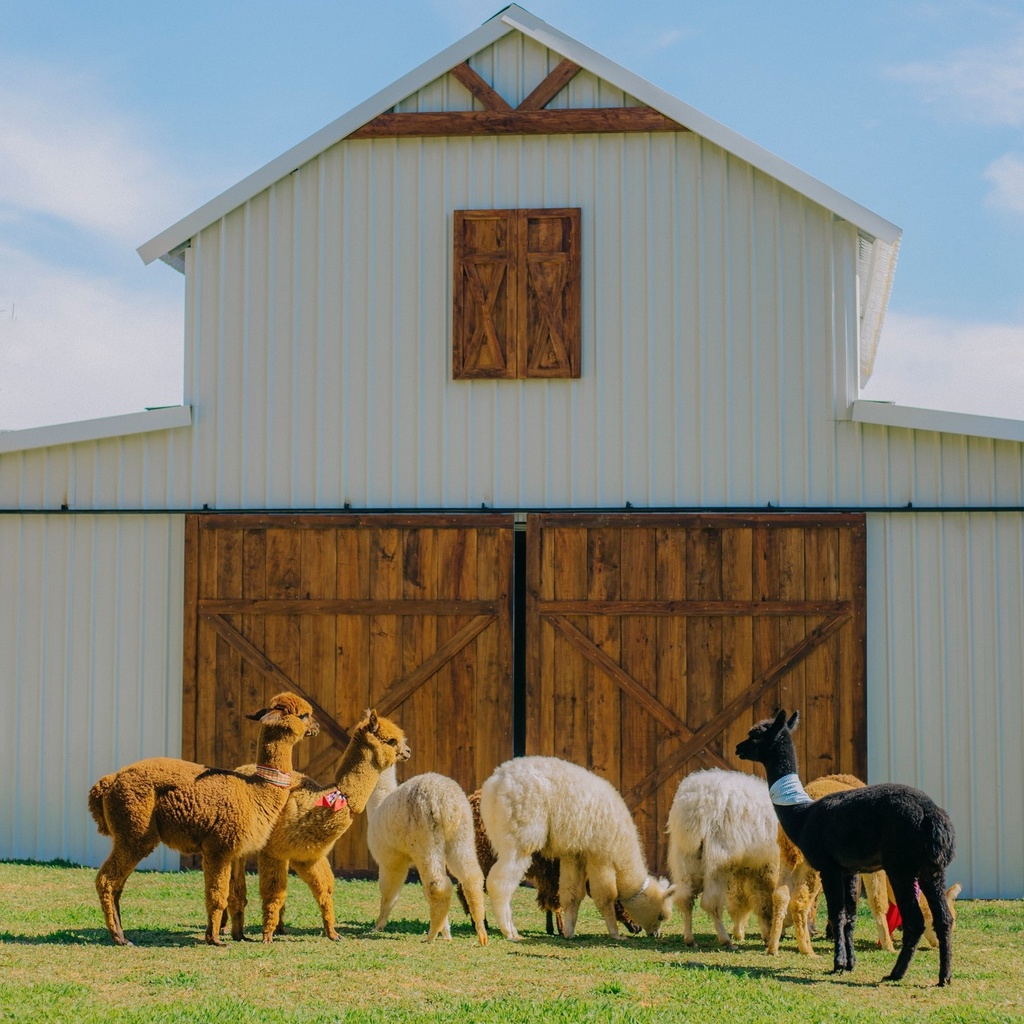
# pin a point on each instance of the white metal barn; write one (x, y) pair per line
(573, 371)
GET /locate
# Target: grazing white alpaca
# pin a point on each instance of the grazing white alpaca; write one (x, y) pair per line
(562, 811)
(426, 822)
(723, 845)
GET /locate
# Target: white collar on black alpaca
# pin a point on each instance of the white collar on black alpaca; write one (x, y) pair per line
(788, 791)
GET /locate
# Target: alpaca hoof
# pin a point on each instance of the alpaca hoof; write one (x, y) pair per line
(122, 941)
(212, 940)
(691, 942)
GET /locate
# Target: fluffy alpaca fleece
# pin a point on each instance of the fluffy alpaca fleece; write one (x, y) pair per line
(542, 874)
(722, 844)
(196, 809)
(895, 827)
(562, 811)
(800, 884)
(426, 822)
(308, 827)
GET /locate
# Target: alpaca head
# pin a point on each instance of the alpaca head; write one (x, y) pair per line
(383, 738)
(766, 737)
(651, 907)
(287, 714)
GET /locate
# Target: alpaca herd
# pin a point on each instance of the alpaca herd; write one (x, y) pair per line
(742, 845)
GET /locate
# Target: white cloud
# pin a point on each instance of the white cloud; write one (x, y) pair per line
(957, 366)
(67, 154)
(983, 84)
(75, 346)
(1007, 178)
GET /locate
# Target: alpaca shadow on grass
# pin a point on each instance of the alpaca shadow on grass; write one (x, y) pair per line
(826, 977)
(101, 937)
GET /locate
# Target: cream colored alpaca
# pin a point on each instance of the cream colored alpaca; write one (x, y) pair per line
(722, 845)
(556, 808)
(426, 822)
(800, 884)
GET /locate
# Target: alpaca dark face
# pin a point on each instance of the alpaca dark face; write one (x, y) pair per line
(759, 741)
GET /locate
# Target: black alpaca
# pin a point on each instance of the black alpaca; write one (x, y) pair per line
(888, 826)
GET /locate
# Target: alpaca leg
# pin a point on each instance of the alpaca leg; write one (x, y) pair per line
(913, 922)
(851, 891)
(465, 867)
(217, 875)
(391, 877)
(686, 890)
(110, 880)
(502, 880)
(604, 892)
(800, 908)
(319, 877)
(572, 887)
(780, 904)
(876, 890)
(273, 888)
(712, 901)
(437, 888)
(237, 899)
(835, 901)
(933, 889)
(765, 907)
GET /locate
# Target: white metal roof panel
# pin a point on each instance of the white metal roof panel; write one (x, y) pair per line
(96, 429)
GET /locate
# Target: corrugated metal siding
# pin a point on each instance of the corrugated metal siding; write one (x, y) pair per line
(708, 319)
(91, 669)
(945, 670)
(139, 471)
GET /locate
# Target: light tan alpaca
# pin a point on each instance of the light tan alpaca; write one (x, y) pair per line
(196, 809)
(313, 820)
(426, 822)
(800, 885)
(929, 922)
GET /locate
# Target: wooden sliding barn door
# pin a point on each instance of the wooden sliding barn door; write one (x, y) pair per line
(408, 614)
(656, 641)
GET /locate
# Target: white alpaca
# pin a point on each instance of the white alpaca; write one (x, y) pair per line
(426, 822)
(723, 843)
(562, 811)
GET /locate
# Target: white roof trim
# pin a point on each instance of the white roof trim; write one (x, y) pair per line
(515, 18)
(96, 430)
(888, 414)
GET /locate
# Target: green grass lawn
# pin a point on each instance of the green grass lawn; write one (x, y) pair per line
(57, 964)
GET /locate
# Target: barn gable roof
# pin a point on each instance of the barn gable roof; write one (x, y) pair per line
(879, 237)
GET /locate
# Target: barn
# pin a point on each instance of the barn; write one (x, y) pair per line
(522, 403)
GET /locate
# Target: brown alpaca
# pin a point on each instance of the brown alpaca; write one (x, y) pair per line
(312, 821)
(196, 809)
(803, 883)
(542, 873)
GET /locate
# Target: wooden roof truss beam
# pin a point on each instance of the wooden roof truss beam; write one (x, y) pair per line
(530, 118)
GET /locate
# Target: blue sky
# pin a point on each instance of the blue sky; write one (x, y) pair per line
(118, 118)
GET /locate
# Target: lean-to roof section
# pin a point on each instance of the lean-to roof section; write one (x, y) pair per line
(167, 244)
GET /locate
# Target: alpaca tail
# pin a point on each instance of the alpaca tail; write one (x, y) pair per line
(96, 795)
(941, 838)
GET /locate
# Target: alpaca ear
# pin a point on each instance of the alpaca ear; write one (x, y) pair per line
(794, 721)
(373, 721)
(268, 716)
(780, 720)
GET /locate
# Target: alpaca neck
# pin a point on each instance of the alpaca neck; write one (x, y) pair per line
(630, 872)
(357, 775)
(275, 751)
(784, 780)
(387, 783)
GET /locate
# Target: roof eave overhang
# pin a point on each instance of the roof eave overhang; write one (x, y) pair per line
(514, 18)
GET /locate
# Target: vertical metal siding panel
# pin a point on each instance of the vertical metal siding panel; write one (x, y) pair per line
(94, 639)
(230, 353)
(820, 349)
(306, 438)
(1008, 570)
(327, 488)
(946, 607)
(11, 609)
